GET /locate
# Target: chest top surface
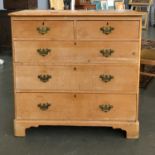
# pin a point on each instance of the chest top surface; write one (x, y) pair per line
(77, 13)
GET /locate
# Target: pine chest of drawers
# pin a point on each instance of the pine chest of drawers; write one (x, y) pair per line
(76, 68)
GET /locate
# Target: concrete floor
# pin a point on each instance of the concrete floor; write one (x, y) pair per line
(74, 140)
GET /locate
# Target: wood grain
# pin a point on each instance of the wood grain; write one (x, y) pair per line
(90, 30)
(81, 13)
(59, 30)
(74, 106)
(71, 52)
(77, 78)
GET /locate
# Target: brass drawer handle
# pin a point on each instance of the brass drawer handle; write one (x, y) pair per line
(105, 107)
(106, 52)
(106, 78)
(107, 29)
(44, 106)
(44, 78)
(43, 29)
(43, 51)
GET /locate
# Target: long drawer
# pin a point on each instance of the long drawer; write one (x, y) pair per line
(49, 52)
(77, 78)
(70, 106)
(54, 30)
(100, 30)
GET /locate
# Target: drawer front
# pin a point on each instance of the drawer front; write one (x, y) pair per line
(69, 106)
(54, 30)
(50, 52)
(77, 78)
(100, 30)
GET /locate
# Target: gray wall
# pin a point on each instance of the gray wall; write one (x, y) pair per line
(1, 4)
(42, 4)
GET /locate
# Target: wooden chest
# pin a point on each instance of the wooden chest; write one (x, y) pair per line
(76, 68)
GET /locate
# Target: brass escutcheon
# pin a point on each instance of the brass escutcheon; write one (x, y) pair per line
(105, 107)
(43, 51)
(44, 106)
(107, 29)
(106, 52)
(44, 78)
(43, 29)
(106, 78)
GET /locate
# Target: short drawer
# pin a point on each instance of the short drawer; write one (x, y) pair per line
(77, 78)
(105, 30)
(49, 52)
(71, 106)
(54, 30)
